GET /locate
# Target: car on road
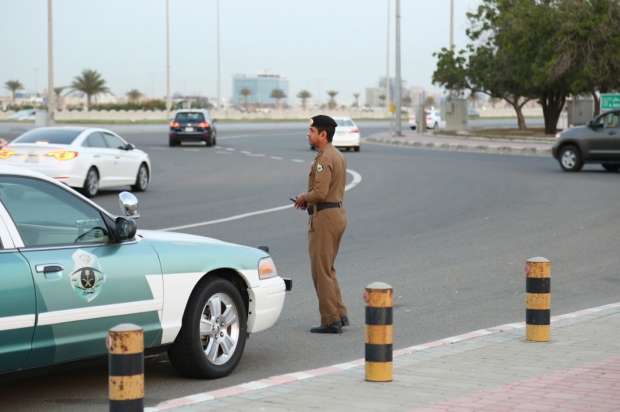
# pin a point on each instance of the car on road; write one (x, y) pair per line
(85, 158)
(597, 142)
(347, 135)
(28, 114)
(433, 119)
(192, 125)
(71, 271)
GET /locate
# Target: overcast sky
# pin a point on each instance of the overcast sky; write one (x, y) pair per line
(318, 45)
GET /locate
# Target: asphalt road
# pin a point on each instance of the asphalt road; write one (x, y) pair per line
(449, 231)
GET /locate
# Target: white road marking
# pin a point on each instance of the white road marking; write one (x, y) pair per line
(297, 160)
(256, 155)
(231, 149)
(276, 157)
(245, 152)
(357, 179)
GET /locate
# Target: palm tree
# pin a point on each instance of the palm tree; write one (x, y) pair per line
(332, 101)
(278, 94)
(90, 83)
(356, 96)
(13, 86)
(303, 95)
(134, 95)
(245, 92)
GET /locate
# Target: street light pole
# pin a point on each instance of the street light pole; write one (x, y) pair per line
(398, 80)
(168, 97)
(387, 59)
(219, 61)
(51, 97)
(451, 24)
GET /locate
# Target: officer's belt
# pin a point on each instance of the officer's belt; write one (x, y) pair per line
(320, 206)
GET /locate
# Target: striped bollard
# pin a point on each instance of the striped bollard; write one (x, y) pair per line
(126, 368)
(379, 332)
(538, 288)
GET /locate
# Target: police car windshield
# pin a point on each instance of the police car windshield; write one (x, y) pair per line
(51, 136)
(189, 117)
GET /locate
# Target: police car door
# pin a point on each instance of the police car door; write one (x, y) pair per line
(84, 283)
(17, 310)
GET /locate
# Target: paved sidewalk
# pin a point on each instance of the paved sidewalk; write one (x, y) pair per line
(486, 370)
(537, 147)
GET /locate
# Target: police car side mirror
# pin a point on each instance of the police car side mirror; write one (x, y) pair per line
(125, 228)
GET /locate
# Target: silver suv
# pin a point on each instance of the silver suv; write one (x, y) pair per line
(597, 142)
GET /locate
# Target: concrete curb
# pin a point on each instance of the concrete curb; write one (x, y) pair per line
(465, 145)
(559, 320)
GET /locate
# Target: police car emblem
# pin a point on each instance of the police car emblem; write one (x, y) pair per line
(86, 278)
(319, 167)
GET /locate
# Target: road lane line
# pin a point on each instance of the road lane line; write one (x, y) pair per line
(276, 157)
(286, 378)
(357, 179)
(297, 160)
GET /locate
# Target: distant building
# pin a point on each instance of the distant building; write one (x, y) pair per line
(260, 86)
(374, 94)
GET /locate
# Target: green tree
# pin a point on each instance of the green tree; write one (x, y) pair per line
(245, 92)
(90, 83)
(332, 99)
(278, 94)
(13, 86)
(304, 95)
(134, 95)
(429, 102)
(407, 100)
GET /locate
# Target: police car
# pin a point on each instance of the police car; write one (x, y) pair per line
(70, 271)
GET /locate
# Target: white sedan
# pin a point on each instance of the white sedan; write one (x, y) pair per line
(88, 159)
(347, 134)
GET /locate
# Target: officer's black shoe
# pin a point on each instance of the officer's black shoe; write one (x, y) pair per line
(335, 327)
(344, 320)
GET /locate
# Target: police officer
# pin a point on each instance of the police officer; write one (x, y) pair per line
(327, 222)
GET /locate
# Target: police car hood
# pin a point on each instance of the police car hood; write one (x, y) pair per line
(178, 237)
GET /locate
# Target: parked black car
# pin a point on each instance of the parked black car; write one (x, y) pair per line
(597, 142)
(192, 125)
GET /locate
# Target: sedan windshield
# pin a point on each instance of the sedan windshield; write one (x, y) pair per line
(51, 136)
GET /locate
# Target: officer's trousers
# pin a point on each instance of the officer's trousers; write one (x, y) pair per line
(324, 234)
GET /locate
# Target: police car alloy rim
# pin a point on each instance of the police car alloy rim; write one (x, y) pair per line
(569, 159)
(219, 328)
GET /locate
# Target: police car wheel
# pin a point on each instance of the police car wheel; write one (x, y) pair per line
(212, 338)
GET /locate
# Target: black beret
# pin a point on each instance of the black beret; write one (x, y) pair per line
(322, 121)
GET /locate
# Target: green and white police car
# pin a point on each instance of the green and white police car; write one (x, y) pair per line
(70, 271)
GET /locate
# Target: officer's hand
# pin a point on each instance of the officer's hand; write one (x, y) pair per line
(300, 202)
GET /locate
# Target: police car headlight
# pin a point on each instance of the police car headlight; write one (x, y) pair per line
(266, 268)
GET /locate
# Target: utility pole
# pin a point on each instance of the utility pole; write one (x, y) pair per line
(51, 97)
(168, 96)
(219, 61)
(387, 59)
(398, 80)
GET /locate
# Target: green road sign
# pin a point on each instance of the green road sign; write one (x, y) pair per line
(610, 101)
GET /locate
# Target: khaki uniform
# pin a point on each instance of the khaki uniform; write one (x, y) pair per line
(326, 185)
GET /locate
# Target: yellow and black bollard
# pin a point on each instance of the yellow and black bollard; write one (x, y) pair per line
(538, 288)
(379, 332)
(126, 368)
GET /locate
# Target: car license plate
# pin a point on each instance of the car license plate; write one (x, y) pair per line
(189, 129)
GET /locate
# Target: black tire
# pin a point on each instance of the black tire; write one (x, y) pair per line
(173, 142)
(91, 183)
(611, 167)
(187, 353)
(357, 148)
(143, 177)
(209, 141)
(570, 158)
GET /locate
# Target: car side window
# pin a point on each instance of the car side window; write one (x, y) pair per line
(95, 140)
(45, 214)
(113, 141)
(610, 121)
